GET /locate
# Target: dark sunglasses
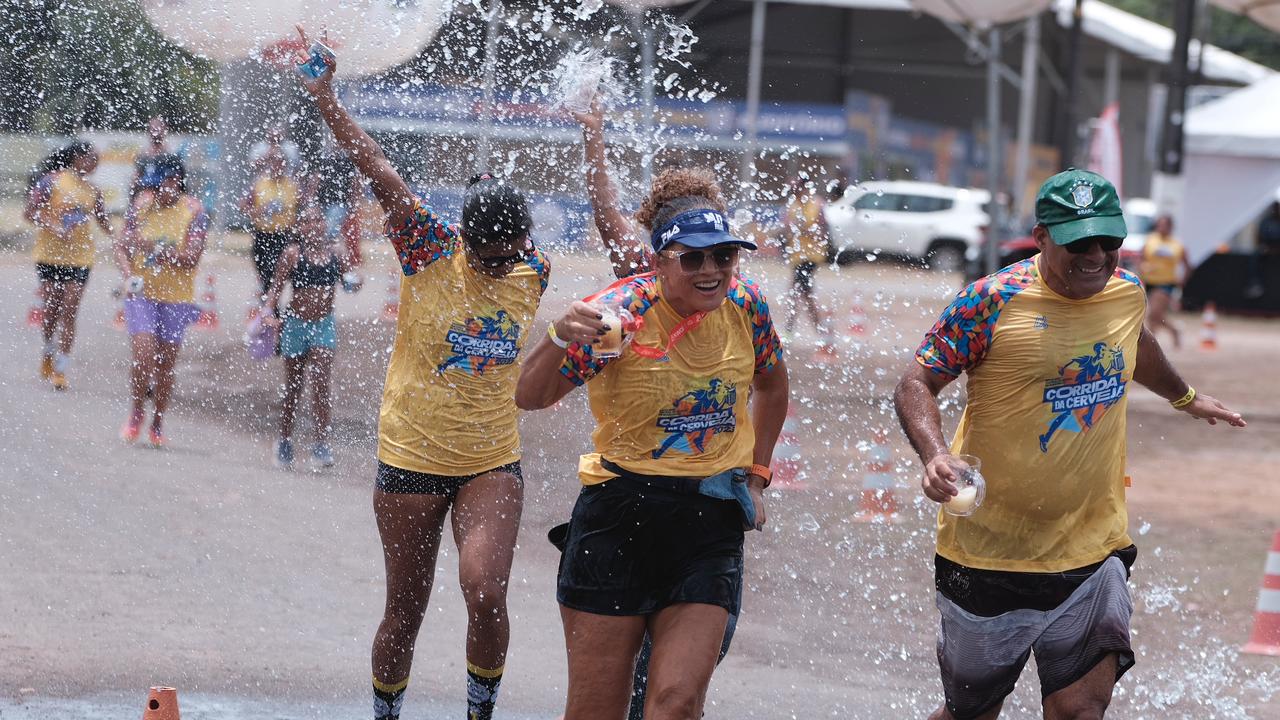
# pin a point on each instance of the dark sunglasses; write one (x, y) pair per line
(1084, 245)
(691, 261)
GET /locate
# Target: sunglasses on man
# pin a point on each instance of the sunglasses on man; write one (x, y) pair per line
(692, 261)
(1084, 245)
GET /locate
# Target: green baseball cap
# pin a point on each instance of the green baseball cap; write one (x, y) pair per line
(1077, 204)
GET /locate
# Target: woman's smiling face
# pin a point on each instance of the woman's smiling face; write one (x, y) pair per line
(703, 289)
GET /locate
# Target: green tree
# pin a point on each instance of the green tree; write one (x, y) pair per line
(1228, 31)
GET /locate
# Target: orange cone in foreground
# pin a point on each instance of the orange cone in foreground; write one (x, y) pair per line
(786, 455)
(35, 314)
(208, 305)
(1265, 639)
(878, 503)
(162, 704)
(1209, 326)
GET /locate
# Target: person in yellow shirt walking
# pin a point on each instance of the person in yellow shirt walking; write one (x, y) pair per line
(448, 443)
(63, 205)
(804, 236)
(272, 207)
(1050, 346)
(1162, 256)
(687, 416)
(157, 255)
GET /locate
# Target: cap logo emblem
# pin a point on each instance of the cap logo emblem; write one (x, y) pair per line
(670, 233)
(1082, 195)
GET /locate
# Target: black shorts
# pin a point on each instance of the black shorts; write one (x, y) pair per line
(267, 247)
(397, 480)
(62, 273)
(802, 279)
(633, 549)
(1168, 289)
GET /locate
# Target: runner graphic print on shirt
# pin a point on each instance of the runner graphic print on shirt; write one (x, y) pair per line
(1087, 385)
(696, 417)
(481, 342)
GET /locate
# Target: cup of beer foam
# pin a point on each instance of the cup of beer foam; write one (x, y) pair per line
(622, 325)
(970, 483)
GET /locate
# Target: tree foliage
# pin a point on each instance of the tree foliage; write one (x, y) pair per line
(96, 64)
(1235, 33)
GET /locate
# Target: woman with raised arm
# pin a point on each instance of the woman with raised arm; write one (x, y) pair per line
(687, 416)
(63, 205)
(447, 436)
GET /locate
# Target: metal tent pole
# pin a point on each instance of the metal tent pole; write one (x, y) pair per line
(483, 151)
(994, 231)
(1026, 114)
(755, 68)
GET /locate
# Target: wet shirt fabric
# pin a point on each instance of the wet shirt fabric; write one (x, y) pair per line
(275, 203)
(1048, 381)
(686, 414)
(68, 200)
(807, 239)
(448, 406)
(1161, 256)
(175, 226)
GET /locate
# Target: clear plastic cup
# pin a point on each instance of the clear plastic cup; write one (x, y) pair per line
(613, 341)
(970, 483)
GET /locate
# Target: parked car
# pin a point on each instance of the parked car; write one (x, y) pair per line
(926, 221)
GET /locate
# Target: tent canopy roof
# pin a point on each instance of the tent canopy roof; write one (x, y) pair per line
(1241, 123)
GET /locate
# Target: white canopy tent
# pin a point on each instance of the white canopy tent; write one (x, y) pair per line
(1231, 168)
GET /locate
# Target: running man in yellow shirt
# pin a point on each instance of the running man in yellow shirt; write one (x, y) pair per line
(63, 206)
(1162, 256)
(1050, 346)
(804, 235)
(447, 434)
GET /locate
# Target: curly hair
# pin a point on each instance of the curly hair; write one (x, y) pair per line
(680, 190)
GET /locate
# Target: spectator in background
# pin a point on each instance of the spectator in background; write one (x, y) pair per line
(272, 207)
(147, 165)
(804, 241)
(1162, 256)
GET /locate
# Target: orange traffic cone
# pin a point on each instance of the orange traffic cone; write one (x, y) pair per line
(209, 305)
(1265, 639)
(162, 704)
(786, 455)
(35, 313)
(878, 503)
(857, 318)
(119, 323)
(391, 302)
(1209, 326)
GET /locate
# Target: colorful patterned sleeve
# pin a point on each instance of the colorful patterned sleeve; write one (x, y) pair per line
(541, 265)
(422, 238)
(764, 338)
(580, 364)
(961, 337)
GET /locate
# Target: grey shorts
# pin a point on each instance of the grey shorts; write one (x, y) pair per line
(982, 657)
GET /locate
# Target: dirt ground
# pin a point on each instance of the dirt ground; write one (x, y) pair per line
(256, 591)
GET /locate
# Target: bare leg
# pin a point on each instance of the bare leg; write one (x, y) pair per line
(486, 518)
(320, 363)
(602, 657)
(410, 527)
(141, 370)
(72, 293)
(1158, 304)
(294, 370)
(51, 295)
(1086, 698)
(686, 645)
(166, 359)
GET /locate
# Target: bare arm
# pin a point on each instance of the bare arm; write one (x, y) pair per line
(387, 185)
(770, 395)
(541, 385)
(288, 261)
(626, 252)
(916, 401)
(1154, 371)
(123, 247)
(100, 214)
(37, 209)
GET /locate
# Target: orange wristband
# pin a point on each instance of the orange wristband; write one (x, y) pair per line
(763, 472)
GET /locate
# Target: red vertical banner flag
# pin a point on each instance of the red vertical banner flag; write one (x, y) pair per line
(1106, 156)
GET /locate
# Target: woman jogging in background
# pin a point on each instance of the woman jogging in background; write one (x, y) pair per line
(447, 436)
(63, 205)
(1162, 256)
(309, 331)
(272, 207)
(686, 420)
(158, 253)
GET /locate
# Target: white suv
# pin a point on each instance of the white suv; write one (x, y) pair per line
(935, 223)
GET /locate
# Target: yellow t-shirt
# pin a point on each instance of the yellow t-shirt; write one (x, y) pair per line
(275, 201)
(806, 235)
(175, 226)
(71, 200)
(448, 406)
(685, 415)
(1046, 415)
(1161, 256)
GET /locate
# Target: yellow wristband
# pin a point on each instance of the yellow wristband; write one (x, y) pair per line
(555, 339)
(1185, 400)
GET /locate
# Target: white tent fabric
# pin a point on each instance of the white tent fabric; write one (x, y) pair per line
(1231, 168)
(981, 11)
